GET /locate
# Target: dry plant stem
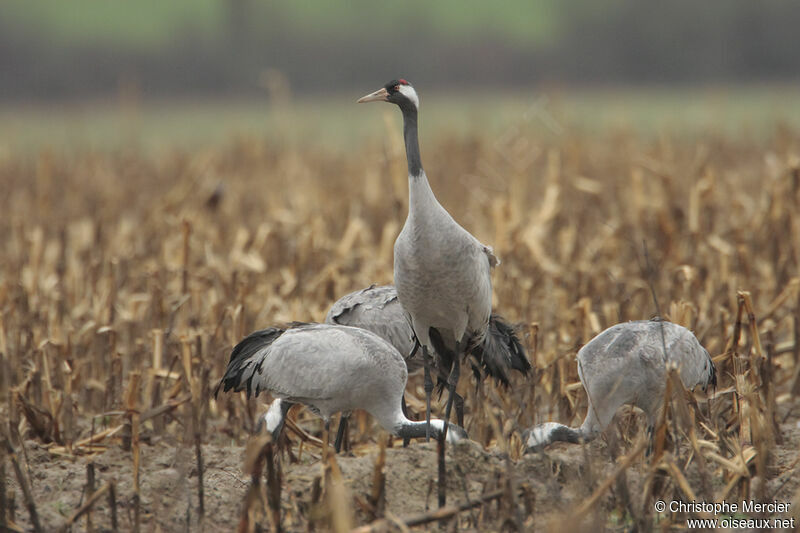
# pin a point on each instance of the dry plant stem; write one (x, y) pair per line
(300, 432)
(325, 443)
(198, 449)
(187, 231)
(441, 513)
(197, 436)
(316, 496)
(338, 500)
(86, 507)
(768, 376)
(669, 465)
(660, 433)
(378, 495)
(12, 507)
(624, 463)
(90, 484)
(511, 495)
(397, 522)
(705, 483)
(112, 505)
(758, 351)
(442, 469)
(274, 487)
(739, 372)
(24, 485)
(737, 327)
(3, 502)
(133, 416)
(161, 409)
(796, 348)
(254, 457)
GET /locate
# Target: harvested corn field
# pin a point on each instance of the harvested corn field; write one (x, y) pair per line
(127, 275)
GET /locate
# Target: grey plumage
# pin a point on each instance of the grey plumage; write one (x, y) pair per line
(442, 273)
(625, 364)
(328, 368)
(378, 309)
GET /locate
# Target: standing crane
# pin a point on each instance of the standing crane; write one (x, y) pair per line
(628, 364)
(442, 273)
(329, 369)
(378, 309)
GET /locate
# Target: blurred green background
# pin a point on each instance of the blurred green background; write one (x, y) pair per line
(191, 70)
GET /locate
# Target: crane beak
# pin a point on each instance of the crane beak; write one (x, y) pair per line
(381, 95)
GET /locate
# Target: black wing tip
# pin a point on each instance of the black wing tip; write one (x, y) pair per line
(712, 378)
(241, 354)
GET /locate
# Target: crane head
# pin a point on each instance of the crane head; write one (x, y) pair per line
(398, 92)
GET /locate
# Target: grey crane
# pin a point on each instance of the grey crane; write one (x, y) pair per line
(625, 364)
(377, 309)
(442, 273)
(329, 369)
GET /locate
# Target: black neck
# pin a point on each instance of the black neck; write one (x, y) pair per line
(411, 139)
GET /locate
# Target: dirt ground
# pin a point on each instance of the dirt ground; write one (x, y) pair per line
(550, 484)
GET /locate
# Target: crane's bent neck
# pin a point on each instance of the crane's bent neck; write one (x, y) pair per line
(545, 434)
(411, 137)
(408, 429)
(416, 430)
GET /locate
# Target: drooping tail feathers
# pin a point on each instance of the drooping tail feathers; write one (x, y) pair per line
(241, 368)
(501, 351)
(498, 352)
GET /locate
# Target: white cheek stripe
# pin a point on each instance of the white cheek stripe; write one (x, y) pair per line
(409, 92)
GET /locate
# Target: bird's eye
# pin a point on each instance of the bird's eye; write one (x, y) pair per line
(396, 87)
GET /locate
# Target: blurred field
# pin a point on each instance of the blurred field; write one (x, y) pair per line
(130, 268)
(332, 122)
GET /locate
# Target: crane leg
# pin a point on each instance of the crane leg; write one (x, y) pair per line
(452, 381)
(428, 391)
(459, 405)
(337, 444)
(414, 348)
(326, 435)
(404, 408)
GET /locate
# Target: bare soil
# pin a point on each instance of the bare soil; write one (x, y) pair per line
(552, 483)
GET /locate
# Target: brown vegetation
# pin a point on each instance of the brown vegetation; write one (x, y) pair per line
(126, 278)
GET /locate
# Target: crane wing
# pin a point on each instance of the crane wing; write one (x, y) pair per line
(378, 310)
(694, 364)
(307, 363)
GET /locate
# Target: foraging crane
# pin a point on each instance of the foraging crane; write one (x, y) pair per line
(329, 369)
(442, 273)
(377, 309)
(625, 364)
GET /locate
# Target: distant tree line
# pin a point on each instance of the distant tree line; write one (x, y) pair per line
(614, 42)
